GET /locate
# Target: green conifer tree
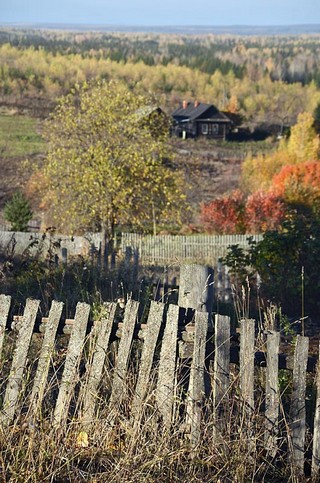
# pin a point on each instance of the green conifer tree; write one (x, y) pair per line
(17, 211)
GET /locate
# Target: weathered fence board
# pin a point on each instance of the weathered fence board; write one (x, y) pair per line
(272, 391)
(101, 334)
(298, 403)
(119, 388)
(196, 391)
(19, 361)
(73, 356)
(247, 339)
(5, 302)
(154, 322)
(221, 371)
(40, 378)
(167, 366)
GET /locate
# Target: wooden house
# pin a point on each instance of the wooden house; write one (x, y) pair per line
(199, 119)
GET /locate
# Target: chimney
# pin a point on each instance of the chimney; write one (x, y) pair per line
(196, 103)
(184, 105)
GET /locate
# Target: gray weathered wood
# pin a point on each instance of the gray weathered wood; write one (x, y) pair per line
(316, 430)
(298, 403)
(167, 366)
(221, 371)
(13, 390)
(152, 330)
(118, 391)
(196, 390)
(247, 351)
(272, 392)
(89, 392)
(73, 356)
(167, 248)
(196, 287)
(5, 302)
(40, 379)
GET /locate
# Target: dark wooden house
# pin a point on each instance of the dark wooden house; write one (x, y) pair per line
(199, 119)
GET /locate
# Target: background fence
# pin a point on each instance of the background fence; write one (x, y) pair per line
(177, 248)
(161, 249)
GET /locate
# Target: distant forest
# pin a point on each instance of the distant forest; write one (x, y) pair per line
(265, 80)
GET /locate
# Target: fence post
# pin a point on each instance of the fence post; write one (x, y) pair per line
(5, 302)
(19, 361)
(167, 366)
(221, 371)
(272, 391)
(219, 291)
(227, 284)
(64, 255)
(196, 287)
(73, 356)
(298, 403)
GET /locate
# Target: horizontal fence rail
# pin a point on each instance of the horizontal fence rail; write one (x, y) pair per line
(188, 374)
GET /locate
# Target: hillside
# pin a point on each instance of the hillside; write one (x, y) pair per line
(210, 168)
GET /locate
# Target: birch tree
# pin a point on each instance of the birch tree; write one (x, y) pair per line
(106, 162)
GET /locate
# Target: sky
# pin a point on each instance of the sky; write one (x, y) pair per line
(162, 12)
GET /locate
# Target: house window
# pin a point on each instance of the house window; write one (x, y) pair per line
(204, 128)
(215, 128)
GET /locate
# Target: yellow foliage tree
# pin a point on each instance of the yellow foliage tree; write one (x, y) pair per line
(303, 144)
(105, 164)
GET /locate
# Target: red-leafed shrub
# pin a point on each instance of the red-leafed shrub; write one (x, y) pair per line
(234, 213)
(264, 211)
(225, 214)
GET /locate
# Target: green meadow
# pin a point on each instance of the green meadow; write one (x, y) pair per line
(19, 136)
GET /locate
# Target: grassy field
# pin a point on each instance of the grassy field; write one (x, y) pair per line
(19, 135)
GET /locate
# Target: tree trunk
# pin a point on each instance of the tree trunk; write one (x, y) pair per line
(103, 247)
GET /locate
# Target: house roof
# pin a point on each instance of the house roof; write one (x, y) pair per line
(199, 111)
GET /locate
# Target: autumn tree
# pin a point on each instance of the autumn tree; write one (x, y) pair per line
(299, 184)
(303, 145)
(104, 166)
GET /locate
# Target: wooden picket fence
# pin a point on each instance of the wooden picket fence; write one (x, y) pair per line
(166, 249)
(204, 347)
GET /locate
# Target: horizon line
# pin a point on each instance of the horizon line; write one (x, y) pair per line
(159, 25)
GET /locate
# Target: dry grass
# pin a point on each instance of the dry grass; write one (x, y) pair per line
(117, 448)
